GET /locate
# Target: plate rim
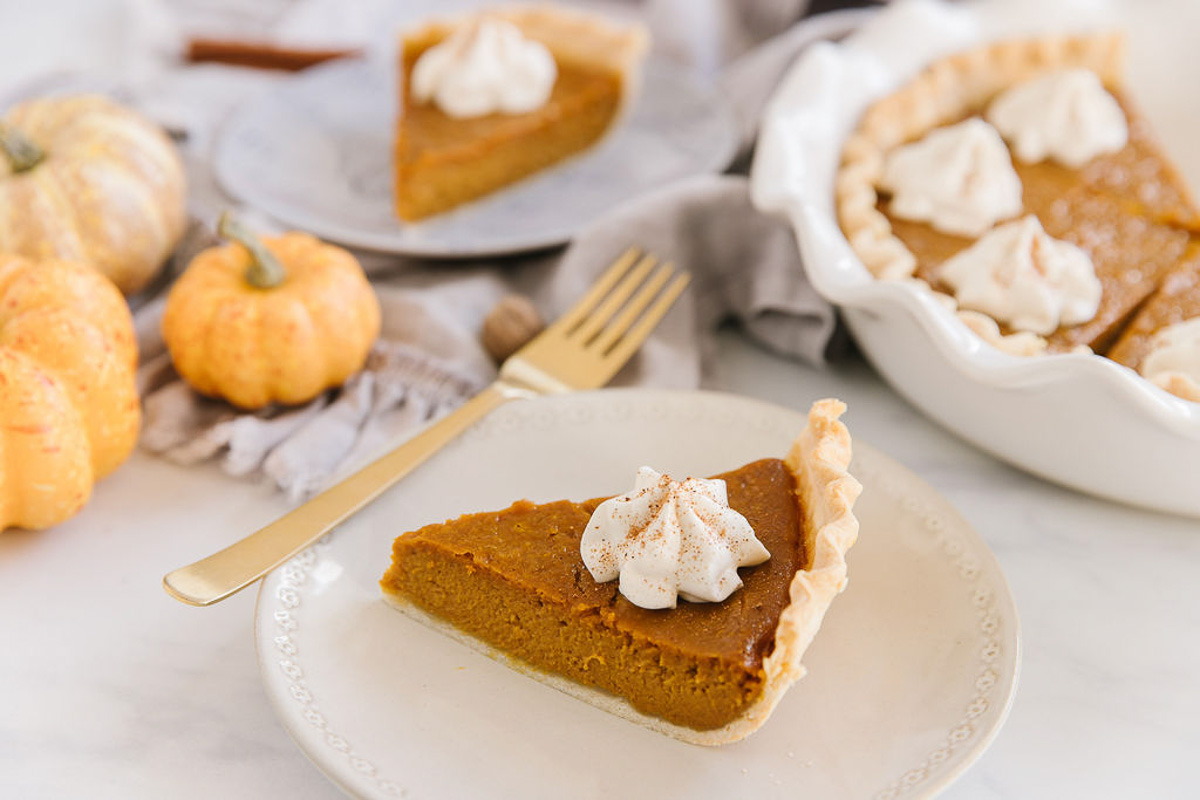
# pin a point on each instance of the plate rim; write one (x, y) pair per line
(327, 759)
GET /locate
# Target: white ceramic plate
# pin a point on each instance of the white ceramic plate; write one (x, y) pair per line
(316, 154)
(909, 679)
(1080, 420)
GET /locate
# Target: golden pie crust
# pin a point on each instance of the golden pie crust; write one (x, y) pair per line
(823, 499)
(1097, 201)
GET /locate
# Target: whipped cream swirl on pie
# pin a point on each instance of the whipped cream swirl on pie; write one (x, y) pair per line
(1067, 116)
(959, 179)
(1021, 276)
(485, 67)
(1173, 362)
(669, 539)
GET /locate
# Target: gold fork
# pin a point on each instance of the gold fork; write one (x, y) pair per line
(581, 350)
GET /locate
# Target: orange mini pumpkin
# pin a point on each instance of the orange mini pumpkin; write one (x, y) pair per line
(85, 179)
(277, 320)
(69, 410)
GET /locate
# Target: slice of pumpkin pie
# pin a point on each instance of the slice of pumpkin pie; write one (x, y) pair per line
(683, 606)
(494, 96)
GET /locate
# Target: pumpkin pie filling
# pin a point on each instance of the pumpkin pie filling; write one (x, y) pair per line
(514, 579)
(515, 584)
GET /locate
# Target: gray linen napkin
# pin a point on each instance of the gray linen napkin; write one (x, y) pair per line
(428, 360)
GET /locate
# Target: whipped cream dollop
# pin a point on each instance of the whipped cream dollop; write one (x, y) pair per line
(1066, 116)
(669, 538)
(1020, 275)
(1174, 359)
(485, 67)
(960, 179)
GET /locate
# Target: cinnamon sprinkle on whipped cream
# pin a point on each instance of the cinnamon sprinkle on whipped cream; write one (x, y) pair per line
(1021, 276)
(668, 539)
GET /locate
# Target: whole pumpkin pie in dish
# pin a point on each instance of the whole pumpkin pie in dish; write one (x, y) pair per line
(493, 97)
(1064, 213)
(536, 586)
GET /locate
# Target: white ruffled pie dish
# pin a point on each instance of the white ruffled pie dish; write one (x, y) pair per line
(1079, 420)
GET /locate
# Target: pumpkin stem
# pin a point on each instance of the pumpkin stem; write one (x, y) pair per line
(22, 154)
(265, 271)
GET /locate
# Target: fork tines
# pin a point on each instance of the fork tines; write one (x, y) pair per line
(624, 304)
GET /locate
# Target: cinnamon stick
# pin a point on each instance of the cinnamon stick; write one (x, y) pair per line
(260, 55)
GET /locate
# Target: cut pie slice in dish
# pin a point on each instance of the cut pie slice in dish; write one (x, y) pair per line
(443, 161)
(1163, 339)
(513, 584)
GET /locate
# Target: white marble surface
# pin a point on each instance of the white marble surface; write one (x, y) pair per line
(113, 690)
(110, 689)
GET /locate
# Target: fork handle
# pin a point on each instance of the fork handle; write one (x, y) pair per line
(225, 572)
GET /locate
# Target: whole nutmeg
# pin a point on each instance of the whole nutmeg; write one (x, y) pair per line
(511, 323)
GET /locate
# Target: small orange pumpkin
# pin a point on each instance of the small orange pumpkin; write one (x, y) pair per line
(69, 410)
(85, 179)
(277, 320)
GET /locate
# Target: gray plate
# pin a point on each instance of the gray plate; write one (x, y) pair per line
(316, 154)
